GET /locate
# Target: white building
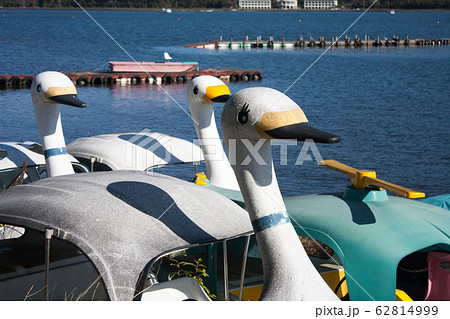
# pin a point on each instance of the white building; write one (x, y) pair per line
(255, 4)
(287, 4)
(321, 4)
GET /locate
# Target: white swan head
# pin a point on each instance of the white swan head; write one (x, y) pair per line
(207, 89)
(54, 88)
(203, 91)
(264, 113)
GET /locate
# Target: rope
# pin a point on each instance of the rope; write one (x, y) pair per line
(415, 271)
(101, 67)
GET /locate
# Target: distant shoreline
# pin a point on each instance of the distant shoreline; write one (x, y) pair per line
(236, 10)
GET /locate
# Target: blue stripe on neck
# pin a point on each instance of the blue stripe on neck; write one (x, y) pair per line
(55, 152)
(271, 220)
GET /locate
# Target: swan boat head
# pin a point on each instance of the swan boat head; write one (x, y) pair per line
(54, 88)
(264, 113)
(48, 91)
(202, 93)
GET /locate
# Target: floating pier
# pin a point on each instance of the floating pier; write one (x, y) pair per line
(347, 42)
(83, 78)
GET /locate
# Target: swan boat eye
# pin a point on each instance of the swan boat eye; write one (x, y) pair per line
(196, 90)
(243, 114)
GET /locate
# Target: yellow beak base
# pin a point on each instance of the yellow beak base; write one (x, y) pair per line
(217, 93)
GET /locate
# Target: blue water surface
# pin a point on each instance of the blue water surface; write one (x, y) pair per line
(390, 105)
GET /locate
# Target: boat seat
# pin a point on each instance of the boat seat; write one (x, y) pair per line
(438, 276)
(185, 288)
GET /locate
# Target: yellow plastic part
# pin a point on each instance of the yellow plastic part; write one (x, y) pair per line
(332, 279)
(400, 295)
(363, 178)
(249, 293)
(200, 178)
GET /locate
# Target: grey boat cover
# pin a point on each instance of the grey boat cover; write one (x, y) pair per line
(123, 219)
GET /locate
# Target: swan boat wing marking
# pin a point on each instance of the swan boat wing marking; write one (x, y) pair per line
(136, 151)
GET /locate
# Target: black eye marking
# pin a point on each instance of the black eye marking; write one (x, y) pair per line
(196, 90)
(38, 88)
(243, 114)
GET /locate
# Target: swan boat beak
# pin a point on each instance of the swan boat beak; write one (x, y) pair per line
(63, 95)
(217, 93)
(292, 124)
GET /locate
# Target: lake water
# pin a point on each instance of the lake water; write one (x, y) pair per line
(390, 105)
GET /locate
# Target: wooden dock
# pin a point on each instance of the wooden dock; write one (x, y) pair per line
(347, 42)
(83, 78)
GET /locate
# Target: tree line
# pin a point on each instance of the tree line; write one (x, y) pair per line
(131, 4)
(215, 4)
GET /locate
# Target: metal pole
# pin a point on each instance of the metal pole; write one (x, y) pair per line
(225, 270)
(48, 238)
(244, 266)
(92, 163)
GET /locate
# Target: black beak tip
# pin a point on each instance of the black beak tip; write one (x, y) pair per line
(333, 139)
(69, 99)
(221, 98)
(323, 137)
